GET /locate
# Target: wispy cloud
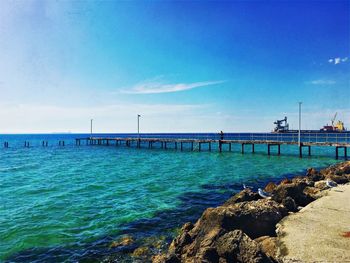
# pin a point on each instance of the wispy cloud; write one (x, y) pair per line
(322, 82)
(153, 87)
(338, 60)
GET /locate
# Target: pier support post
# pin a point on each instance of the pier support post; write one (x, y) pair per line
(229, 147)
(345, 152)
(209, 146)
(268, 149)
(301, 151)
(175, 145)
(220, 146)
(253, 148)
(242, 148)
(199, 146)
(309, 150)
(181, 147)
(336, 152)
(279, 149)
(192, 146)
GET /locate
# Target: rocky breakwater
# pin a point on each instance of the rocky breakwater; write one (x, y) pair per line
(243, 229)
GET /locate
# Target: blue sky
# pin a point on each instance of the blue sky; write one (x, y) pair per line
(184, 66)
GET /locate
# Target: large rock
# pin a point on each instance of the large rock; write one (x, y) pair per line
(205, 241)
(268, 245)
(270, 187)
(243, 196)
(255, 218)
(295, 190)
(235, 246)
(340, 173)
(314, 175)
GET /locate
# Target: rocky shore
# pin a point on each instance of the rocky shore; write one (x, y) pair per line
(243, 229)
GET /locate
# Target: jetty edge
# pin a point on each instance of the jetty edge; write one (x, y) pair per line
(244, 228)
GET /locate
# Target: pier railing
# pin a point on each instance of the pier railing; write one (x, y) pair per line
(320, 137)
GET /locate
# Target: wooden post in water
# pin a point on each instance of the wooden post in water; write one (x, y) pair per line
(209, 146)
(229, 147)
(345, 152)
(242, 148)
(336, 153)
(253, 148)
(192, 146)
(181, 146)
(199, 146)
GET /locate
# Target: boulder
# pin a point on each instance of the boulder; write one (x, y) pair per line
(235, 246)
(295, 190)
(322, 185)
(268, 245)
(141, 252)
(243, 196)
(314, 175)
(313, 192)
(122, 242)
(255, 218)
(270, 187)
(339, 179)
(340, 173)
(289, 204)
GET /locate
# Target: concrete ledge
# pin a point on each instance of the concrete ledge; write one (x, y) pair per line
(316, 233)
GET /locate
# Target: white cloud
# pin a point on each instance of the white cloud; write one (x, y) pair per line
(338, 60)
(154, 87)
(322, 82)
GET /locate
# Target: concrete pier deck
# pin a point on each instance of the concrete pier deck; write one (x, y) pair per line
(197, 144)
(320, 231)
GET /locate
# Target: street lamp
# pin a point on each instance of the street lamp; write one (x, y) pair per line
(138, 125)
(299, 139)
(91, 128)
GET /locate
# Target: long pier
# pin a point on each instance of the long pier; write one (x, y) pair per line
(177, 143)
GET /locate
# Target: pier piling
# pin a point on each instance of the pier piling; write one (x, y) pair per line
(193, 142)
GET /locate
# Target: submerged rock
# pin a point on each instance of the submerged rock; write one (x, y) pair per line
(122, 242)
(141, 252)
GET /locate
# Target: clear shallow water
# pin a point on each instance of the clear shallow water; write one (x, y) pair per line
(69, 203)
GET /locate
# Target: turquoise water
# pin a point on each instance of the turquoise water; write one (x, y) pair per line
(69, 203)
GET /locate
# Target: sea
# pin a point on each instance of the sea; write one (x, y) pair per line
(70, 203)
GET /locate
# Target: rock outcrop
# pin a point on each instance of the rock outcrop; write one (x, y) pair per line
(243, 229)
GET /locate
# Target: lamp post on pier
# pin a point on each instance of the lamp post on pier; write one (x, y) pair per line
(138, 129)
(299, 132)
(91, 128)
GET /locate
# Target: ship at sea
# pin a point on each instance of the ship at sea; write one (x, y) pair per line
(282, 126)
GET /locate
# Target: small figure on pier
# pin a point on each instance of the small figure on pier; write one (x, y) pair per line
(221, 135)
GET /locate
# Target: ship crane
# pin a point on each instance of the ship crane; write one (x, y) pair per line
(280, 127)
(334, 127)
(335, 116)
